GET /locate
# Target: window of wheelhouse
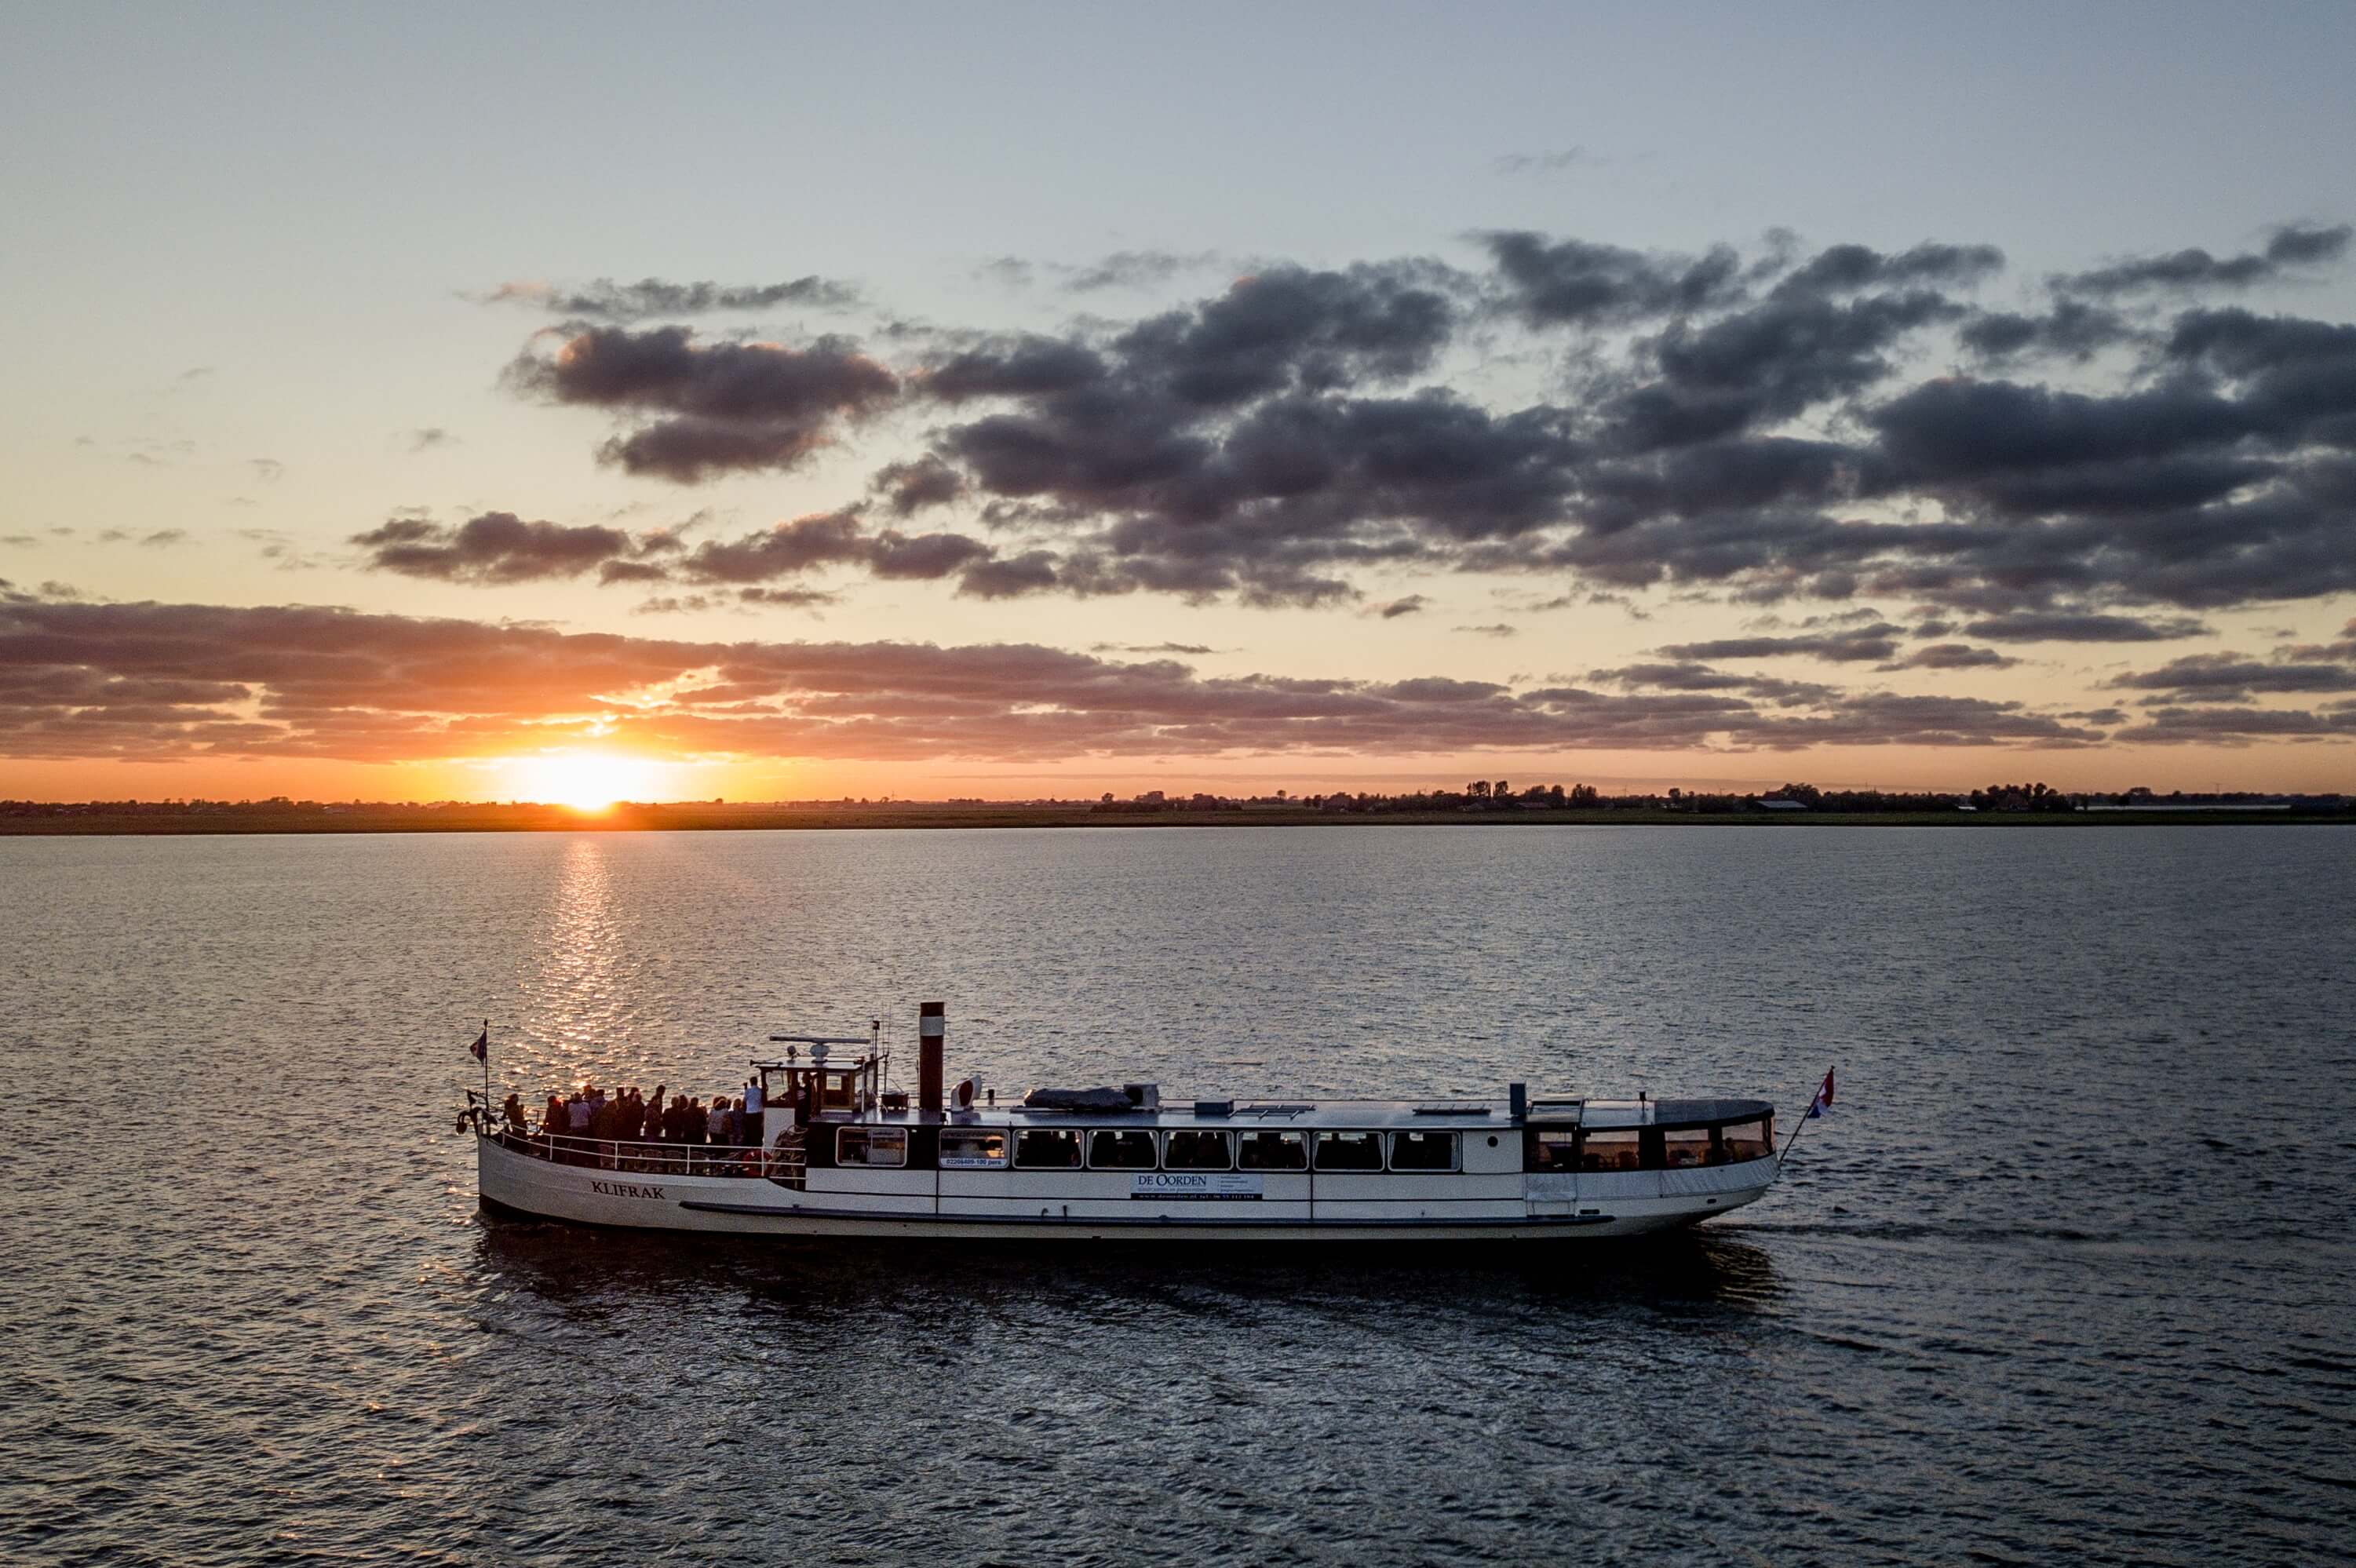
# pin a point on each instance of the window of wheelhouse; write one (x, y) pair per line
(1046, 1149)
(1551, 1149)
(1423, 1151)
(871, 1147)
(972, 1149)
(1120, 1149)
(838, 1091)
(1191, 1149)
(1271, 1151)
(1349, 1151)
(1685, 1146)
(1748, 1140)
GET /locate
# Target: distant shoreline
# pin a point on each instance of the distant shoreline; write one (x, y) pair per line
(700, 817)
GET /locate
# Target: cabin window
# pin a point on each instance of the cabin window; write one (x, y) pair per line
(871, 1146)
(1747, 1140)
(1273, 1151)
(1046, 1149)
(1683, 1146)
(1349, 1151)
(1610, 1150)
(1120, 1149)
(1553, 1149)
(1423, 1151)
(972, 1149)
(835, 1091)
(1195, 1151)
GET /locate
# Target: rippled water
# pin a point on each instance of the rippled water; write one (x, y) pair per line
(2068, 1275)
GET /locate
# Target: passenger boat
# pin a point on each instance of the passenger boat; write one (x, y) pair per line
(839, 1154)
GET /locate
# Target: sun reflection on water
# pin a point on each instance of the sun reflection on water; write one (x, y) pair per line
(575, 991)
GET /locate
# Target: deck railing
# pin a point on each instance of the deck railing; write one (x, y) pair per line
(653, 1159)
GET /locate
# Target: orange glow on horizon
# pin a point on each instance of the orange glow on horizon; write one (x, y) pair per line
(588, 781)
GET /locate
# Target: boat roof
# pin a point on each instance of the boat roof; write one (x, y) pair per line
(1401, 1115)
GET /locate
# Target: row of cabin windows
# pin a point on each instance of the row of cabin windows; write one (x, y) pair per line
(1647, 1148)
(1136, 1149)
(1196, 1149)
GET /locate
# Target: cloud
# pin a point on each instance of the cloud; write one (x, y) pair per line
(827, 539)
(499, 547)
(1781, 426)
(2290, 247)
(1856, 644)
(1847, 269)
(163, 537)
(1578, 283)
(1033, 571)
(2236, 727)
(605, 300)
(427, 437)
(494, 547)
(1496, 629)
(1413, 604)
(708, 408)
(787, 598)
(87, 680)
(1691, 677)
(1951, 656)
(1007, 272)
(1135, 269)
(1178, 647)
(911, 487)
(2223, 676)
(1540, 163)
(2032, 626)
(268, 470)
(2073, 331)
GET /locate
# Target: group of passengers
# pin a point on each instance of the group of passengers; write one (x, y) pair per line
(627, 1116)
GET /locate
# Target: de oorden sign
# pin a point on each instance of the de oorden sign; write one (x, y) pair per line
(1194, 1184)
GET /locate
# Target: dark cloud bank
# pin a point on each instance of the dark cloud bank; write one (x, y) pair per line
(155, 681)
(2131, 453)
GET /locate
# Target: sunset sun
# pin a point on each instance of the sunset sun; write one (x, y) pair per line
(588, 781)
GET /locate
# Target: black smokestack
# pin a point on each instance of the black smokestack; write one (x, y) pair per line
(932, 1027)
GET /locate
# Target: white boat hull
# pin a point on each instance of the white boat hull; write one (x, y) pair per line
(956, 1205)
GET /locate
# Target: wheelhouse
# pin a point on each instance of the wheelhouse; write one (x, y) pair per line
(1603, 1135)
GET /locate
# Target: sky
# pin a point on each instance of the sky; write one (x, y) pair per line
(770, 402)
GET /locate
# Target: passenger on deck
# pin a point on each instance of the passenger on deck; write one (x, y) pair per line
(556, 1120)
(516, 1122)
(578, 1112)
(715, 1122)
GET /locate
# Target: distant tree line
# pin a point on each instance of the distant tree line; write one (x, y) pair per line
(1490, 796)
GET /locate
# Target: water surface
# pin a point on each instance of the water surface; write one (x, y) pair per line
(2068, 1271)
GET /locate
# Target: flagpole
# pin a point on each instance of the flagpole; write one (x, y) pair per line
(486, 1067)
(1806, 1117)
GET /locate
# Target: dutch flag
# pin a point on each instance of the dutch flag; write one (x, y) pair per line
(1824, 1099)
(481, 1051)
